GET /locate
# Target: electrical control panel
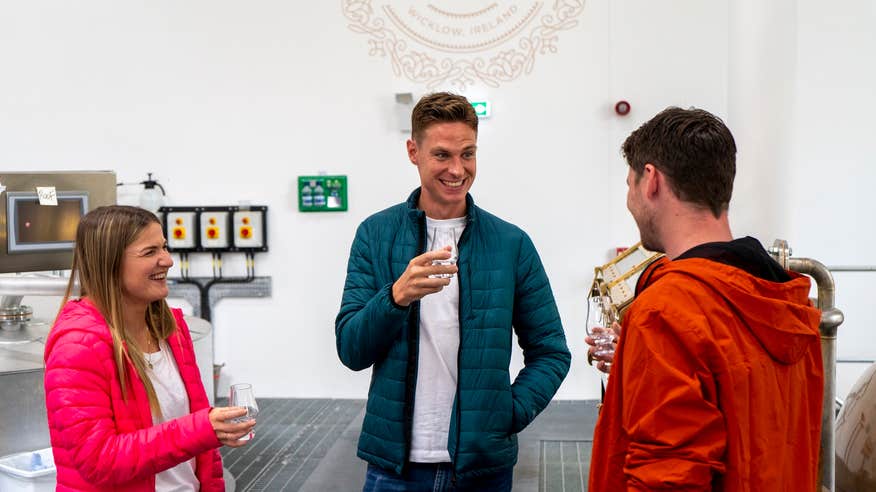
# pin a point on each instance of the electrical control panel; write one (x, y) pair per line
(249, 228)
(215, 228)
(180, 228)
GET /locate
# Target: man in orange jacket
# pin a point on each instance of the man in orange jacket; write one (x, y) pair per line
(716, 383)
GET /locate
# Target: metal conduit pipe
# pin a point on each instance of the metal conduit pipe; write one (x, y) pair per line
(831, 318)
(10, 301)
(35, 286)
(852, 268)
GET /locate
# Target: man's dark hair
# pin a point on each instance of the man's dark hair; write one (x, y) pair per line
(441, 107)
(694, 149)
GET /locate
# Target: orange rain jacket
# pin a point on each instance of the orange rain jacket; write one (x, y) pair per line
(716, 385)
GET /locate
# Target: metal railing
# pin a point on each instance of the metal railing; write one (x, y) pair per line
(831, 318)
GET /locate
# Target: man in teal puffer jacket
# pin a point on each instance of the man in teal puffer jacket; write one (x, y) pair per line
(434, 287)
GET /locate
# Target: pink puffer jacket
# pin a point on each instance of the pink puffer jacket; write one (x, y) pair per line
(102, 442)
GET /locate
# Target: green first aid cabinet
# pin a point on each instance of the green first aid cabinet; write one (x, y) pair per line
(322, 193)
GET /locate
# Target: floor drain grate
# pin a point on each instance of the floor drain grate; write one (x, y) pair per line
(564, 466)
(292, 436)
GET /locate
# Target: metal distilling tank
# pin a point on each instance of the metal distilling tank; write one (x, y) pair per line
(23, 423)
(856, 436)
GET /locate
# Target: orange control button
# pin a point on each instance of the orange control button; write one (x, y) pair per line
(178, 221)
(212, 221)
(245, 220)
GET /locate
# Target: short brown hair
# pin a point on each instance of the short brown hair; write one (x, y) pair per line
(694, 149)
(441, 107)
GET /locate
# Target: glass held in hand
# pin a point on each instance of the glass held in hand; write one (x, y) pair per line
(242, 396)
(604, 338)
(599, 320)
(440, 238)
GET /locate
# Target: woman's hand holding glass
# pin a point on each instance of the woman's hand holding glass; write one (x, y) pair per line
(228, 428)
(234, 424)
(242, 396)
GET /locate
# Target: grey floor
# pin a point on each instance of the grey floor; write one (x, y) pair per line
(310, 445)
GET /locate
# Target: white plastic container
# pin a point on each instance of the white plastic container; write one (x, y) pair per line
(31, 471)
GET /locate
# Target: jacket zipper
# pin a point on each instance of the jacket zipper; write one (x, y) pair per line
(464, 235)
(413, 348)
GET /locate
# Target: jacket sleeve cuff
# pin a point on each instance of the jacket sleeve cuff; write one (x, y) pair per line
(205, 437)
(398, 307)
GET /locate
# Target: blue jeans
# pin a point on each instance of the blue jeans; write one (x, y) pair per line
(433, 477)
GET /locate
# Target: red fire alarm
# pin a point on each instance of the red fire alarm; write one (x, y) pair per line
(622, 108)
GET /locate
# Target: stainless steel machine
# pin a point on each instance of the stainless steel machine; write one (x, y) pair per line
(23, 423)
(35, 236)
(39, 213)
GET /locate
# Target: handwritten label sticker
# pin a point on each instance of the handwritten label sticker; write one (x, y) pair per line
(47, 195)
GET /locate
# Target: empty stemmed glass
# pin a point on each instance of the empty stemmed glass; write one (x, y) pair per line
(242, 396)
(599, 320)
(439, 238)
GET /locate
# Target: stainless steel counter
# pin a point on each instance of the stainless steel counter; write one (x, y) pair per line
(22, 350)
(23, 422)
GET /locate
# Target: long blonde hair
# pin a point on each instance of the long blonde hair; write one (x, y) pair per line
(101, 239)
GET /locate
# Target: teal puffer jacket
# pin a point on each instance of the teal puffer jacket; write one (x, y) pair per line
(501, 284)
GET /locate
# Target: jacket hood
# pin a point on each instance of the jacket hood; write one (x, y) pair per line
(778, 314)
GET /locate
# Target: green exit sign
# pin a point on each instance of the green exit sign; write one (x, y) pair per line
(482, 108)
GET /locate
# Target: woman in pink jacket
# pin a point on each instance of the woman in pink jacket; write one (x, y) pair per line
(126, 406)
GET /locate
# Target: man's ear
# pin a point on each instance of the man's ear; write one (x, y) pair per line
(412, 151)
(654, 180)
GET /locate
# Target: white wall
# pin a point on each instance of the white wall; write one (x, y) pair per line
(831, 169)
(227, 102)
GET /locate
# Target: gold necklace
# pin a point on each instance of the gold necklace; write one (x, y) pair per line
(149, 342)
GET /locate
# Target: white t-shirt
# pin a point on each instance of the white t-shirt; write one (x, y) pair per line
(437, 362)
(174, 402)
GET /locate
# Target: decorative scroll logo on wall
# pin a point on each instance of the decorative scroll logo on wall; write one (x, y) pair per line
(462, 42)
